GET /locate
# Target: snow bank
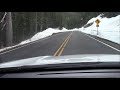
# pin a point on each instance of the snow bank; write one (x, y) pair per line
(109, 28)
(8, 47)
(43, 34)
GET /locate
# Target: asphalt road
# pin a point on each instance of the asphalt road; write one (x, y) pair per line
(67, 43)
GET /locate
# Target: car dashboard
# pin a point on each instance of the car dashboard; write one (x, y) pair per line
(64, 70)
(101, 73)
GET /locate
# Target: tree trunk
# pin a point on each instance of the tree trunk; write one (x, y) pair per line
(41, 27)
(9, 32)
(41, 22)
(36, 23)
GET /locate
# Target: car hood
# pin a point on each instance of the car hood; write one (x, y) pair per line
(41, 60)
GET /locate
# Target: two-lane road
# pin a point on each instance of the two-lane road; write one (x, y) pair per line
(67, 43)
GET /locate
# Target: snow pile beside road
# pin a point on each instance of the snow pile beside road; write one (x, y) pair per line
(109, 28)
(8, 48)
(43, 34)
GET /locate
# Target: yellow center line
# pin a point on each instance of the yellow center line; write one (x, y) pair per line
(64, 46)
(61, 48)
(61, 52)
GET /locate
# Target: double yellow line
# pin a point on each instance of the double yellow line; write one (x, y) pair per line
(63, 45)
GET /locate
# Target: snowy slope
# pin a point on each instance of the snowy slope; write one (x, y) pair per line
(46, 33)
(43, 34)
(109, 28)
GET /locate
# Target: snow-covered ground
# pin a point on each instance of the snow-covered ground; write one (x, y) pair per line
(109, 28)
(43, 34)
(8, 47)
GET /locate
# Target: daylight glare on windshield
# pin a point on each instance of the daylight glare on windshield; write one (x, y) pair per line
(58, 37)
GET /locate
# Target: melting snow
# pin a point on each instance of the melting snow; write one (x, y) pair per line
(109, 28)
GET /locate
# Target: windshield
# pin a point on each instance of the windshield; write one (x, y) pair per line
(37, 38)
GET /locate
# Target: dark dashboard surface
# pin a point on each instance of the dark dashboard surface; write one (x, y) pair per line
(106, 73)
(73, 70)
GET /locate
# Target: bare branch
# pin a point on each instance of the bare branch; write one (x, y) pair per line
(3, 26)
(3, 18)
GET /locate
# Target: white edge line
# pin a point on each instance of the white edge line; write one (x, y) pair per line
(104, 43)
(27, 44)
